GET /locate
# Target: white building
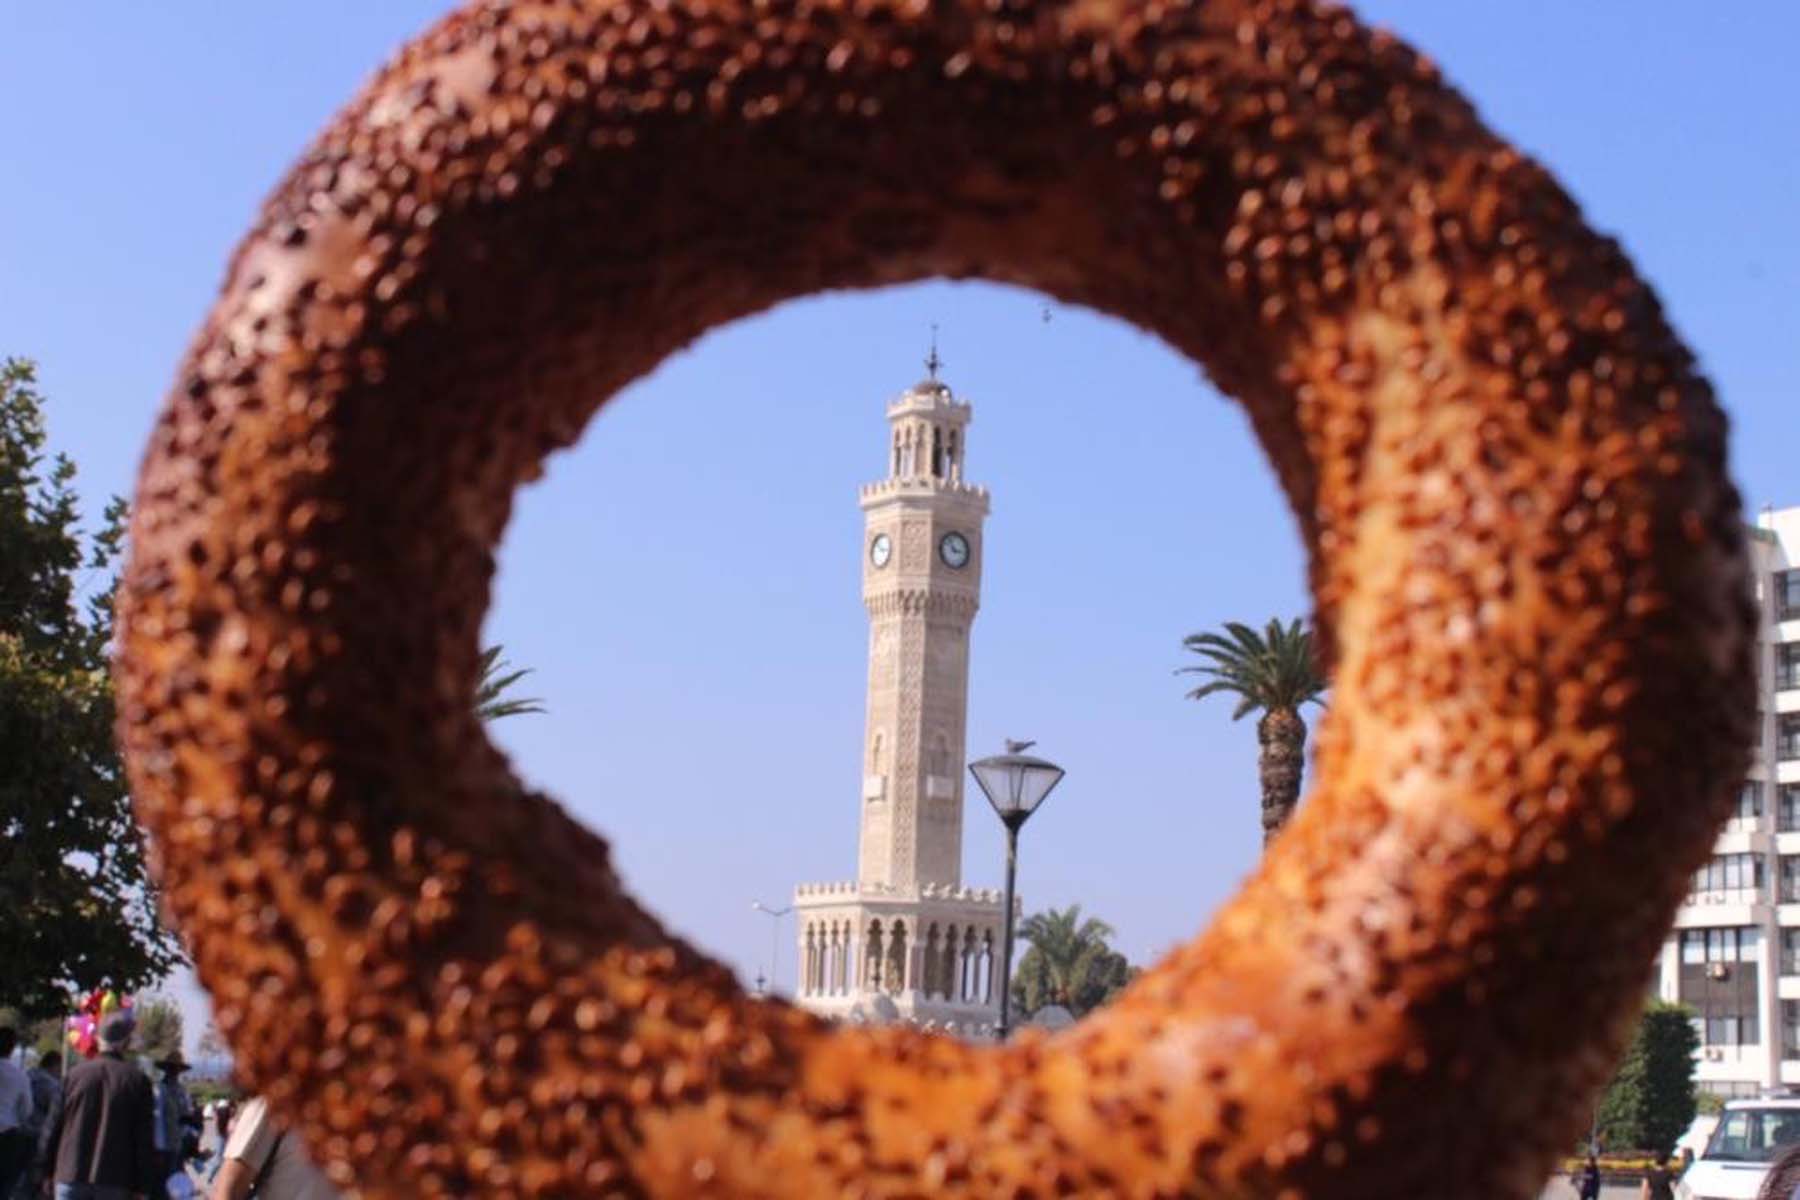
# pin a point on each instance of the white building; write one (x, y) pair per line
(1734, 955)
(906, 941)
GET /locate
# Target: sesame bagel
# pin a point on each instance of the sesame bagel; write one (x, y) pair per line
(1526, 559)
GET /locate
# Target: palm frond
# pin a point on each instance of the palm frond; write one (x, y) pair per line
(1275, 668)
(491, 701)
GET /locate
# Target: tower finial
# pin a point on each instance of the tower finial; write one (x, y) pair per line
(932, 361)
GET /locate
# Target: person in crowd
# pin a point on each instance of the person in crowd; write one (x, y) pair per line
(15, 1114)
(174, 1113)
(1659, 1180)
(1587, 1184)
(273, 1160)
(223, 1110)
(101, 1143)
(180, 1181)
(46, 1094)
(223, 1115)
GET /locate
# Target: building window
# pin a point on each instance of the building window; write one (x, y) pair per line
(1787, 737)
(1718, 980)
(1787, 666)
(1733, 878)
(1788, 808)
(1728, 1089)
(1736, 944)
(1788, 887)
(1748, 815)
(1787, 595)
(1790, 952)
(1790, 1029)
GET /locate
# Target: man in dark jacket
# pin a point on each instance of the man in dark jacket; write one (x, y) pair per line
(101, 1144)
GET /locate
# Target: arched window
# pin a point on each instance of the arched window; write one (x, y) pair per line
(893, 978)
(872, 957)
(966, 966)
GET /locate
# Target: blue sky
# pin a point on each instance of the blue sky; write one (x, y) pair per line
(685, 581)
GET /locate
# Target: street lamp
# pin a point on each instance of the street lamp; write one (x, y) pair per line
(774, 938)
(1015, 783)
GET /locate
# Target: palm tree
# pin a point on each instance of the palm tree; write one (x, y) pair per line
(491, 702)
(1069, 962)
(1276, 671)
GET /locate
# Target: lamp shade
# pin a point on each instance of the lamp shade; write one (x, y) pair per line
(1015, 784)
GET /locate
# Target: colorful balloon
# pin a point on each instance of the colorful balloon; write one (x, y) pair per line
(84, 1026)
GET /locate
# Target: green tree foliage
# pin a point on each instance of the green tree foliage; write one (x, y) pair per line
(1067, 962)
(491, 700)
(35, 1035)
(76, 905)
(159, 1028)
(1651, 1100)
(1276, 673)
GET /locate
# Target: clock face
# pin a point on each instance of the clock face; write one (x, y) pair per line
(880, 550)
(953, 548)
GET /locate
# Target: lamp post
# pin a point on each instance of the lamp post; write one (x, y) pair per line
(774, 938)
(1015, 783)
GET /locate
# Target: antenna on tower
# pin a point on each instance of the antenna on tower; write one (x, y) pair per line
(932, 361)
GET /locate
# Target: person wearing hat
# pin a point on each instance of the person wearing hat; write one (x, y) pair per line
(174, 1113)
(101, 1144)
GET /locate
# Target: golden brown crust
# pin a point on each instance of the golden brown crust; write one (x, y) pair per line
(1508, 471)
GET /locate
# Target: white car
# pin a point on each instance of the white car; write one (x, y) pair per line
(1749, 1136)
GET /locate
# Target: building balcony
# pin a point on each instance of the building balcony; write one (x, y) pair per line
(1746, 835)
(1713, 910)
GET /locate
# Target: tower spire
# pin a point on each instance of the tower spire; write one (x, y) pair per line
(932, 361)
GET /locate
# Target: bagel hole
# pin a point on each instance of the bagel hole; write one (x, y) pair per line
(684, 585)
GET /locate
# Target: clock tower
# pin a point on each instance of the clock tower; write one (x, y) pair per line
(921, 584)
(906, 940)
